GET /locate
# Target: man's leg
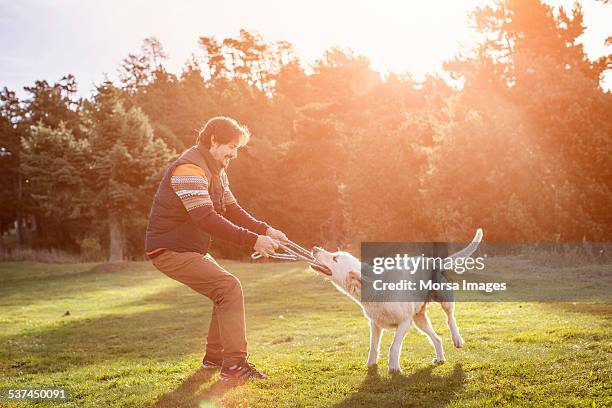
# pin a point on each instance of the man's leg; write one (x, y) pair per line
(214, 348)
(205, 276)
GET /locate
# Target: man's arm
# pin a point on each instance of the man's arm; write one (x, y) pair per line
(191, 186)
(237, 215)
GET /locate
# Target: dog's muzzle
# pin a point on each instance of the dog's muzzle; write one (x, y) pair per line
(319, 267)
(322, 269)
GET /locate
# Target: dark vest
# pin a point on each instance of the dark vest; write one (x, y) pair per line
(170, 225)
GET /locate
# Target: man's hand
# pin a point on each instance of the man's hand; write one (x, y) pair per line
(276, 234)
(265, 245)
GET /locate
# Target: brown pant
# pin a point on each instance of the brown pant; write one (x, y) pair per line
(227, 333)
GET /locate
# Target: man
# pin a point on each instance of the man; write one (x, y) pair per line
(193, 203)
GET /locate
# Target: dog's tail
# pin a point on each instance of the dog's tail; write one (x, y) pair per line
(470, 249)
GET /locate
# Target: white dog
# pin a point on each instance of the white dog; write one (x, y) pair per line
(345, 273)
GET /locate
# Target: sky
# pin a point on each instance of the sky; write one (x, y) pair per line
(46, 39)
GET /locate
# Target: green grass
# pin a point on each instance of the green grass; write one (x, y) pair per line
(134, 337)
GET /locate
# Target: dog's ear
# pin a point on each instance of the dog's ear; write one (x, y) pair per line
(353, 281)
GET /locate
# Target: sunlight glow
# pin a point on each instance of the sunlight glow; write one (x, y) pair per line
(91, 38)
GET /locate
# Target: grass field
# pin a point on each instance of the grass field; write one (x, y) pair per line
(125, 335)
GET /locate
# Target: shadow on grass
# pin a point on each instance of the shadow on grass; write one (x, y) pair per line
(191, 393)
(419, 389)
(175, 325)
(160, 327)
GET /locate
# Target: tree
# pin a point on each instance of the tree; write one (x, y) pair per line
(12, 131)
(57, 167)
(51, 104)
(533, 68)
(140, 69)
(127, 165)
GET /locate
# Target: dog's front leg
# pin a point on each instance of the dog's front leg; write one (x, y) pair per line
(375, 335)
(396, 346)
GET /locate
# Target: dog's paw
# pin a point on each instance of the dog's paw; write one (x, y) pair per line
(438, 361)
(395, 370)
(458, 342)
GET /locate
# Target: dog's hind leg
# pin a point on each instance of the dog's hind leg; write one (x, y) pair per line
(421, 321)
(396, 346)
(449, 309)
(375, 335)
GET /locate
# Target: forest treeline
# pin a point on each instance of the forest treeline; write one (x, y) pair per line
(515, 138)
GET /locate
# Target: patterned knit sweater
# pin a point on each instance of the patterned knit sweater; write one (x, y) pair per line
(235, 225)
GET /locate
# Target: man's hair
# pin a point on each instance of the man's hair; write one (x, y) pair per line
(225, 130)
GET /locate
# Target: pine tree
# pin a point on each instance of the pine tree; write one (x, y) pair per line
(56, 166)
(51, 104)
(11, 192)
(8, 165)
(140, 69)
(127, 164)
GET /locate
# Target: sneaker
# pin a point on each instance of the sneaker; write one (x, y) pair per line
(241, 372)
(210, 364)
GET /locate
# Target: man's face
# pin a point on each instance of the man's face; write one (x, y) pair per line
(223, 153)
